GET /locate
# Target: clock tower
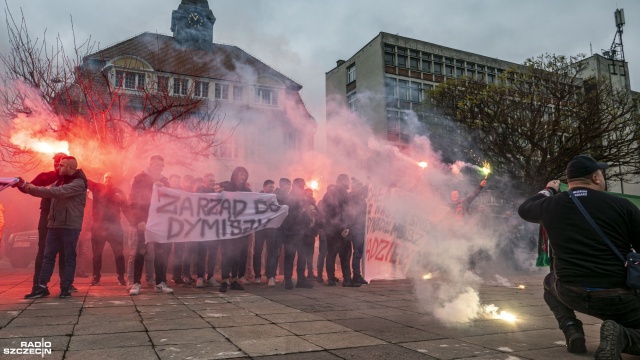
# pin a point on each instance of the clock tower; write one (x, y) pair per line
(192, 24)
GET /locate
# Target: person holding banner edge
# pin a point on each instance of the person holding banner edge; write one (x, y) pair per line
(587, 276)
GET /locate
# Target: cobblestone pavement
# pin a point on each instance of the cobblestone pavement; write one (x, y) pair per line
(384, 320)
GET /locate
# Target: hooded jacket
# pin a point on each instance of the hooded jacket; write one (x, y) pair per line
(69, 197)
(234, 185)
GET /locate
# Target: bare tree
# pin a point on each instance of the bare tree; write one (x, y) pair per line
(540, 115)
(91, 110)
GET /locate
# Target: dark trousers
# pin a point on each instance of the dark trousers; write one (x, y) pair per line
(274, 248)
(161, 261)
(293, 243)
(357, 238)
(207, 253)
(243, 257)
(138, 262)
(322, 252)
(60, 240)
(622, 308)
(42, 238)
(338, 245)
(262, 236)
(231, 254)
(308, 244)
(99, 238)
(183, 255)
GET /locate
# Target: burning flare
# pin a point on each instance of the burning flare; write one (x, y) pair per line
(492, 311)
(313, 185)
(486, 169)
(521, 287)
(46, 145)
(422, 164)
(427, 276)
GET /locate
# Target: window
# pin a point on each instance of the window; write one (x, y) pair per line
(403, 89)
(351, 73)
(471, 66)
(402, 51)
(163, 84)
(414, 53)
(622, 72)
(426, 56)
(459, 72)
(491, 78)
(449, 70)
(448, 61)
(292, 140)
(226, 150)
(415, 92)
(222, 91)
(388, 58)
(437, 68)
(237, 93)
(402, 61)
(266, 96)
(413, 63)
(426, 66)
(130, 80)
(390, 87)
(351, 101)
(480, 67)
(180, 86)
(389, 48)
(202, 89)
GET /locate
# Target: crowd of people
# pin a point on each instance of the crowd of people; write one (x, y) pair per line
(336, 222)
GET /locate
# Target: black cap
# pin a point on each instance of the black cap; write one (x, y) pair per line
(583, 165)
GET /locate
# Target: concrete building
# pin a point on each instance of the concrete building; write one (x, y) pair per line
(272, 122)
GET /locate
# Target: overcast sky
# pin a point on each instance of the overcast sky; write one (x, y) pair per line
(304, 38)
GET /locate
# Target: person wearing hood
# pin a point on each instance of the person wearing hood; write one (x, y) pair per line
(69, 197)
(139, 202)
(232, 249)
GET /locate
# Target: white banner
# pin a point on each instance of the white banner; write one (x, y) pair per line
(6, 182)
(392, 233)
(179, 216)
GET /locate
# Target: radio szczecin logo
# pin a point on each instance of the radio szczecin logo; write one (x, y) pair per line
(30, 348)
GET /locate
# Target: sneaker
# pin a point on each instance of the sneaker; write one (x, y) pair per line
(242, 281)
(163, 288)
(188, 280)
(236, 286)
(65, 293)
(258, 280)
(121, 280)
(319, 279)
(135, 289)
(200, 283)
(37, 292)
(212, 282)
(272, 282)
(224, 286)
(574, 338)
(612, 341)
(178, 281)
(96, 280)
(73, 288)
(288, 284)
(350, 284)
(358, 279)
(337, 280)
(306, 284)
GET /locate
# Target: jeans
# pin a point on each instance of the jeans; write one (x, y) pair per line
(322, 252)
(294, 243)
(262, 236)
(231, 256)
(338, 245)
(357, 238)
(274, 248)
(60, 240)
(621, 308)
(184, 254)
(99, 237)
(147, 251)
(207, 253)
(308, 244)
(42, 239)
(161, 261)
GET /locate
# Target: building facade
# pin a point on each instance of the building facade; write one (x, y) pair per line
(263, 111)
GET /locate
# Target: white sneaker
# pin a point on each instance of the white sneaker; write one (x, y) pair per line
(135, 289)
(242, 280)
(213, 282)
(272, 282)
(163, 288)
(257, 280)
(200, 283)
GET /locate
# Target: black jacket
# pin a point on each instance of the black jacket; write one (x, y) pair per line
(140, 197)
(581, 257)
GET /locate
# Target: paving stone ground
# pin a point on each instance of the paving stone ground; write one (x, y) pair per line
(384, 320)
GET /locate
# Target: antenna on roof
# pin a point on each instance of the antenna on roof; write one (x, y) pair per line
(616, 52)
